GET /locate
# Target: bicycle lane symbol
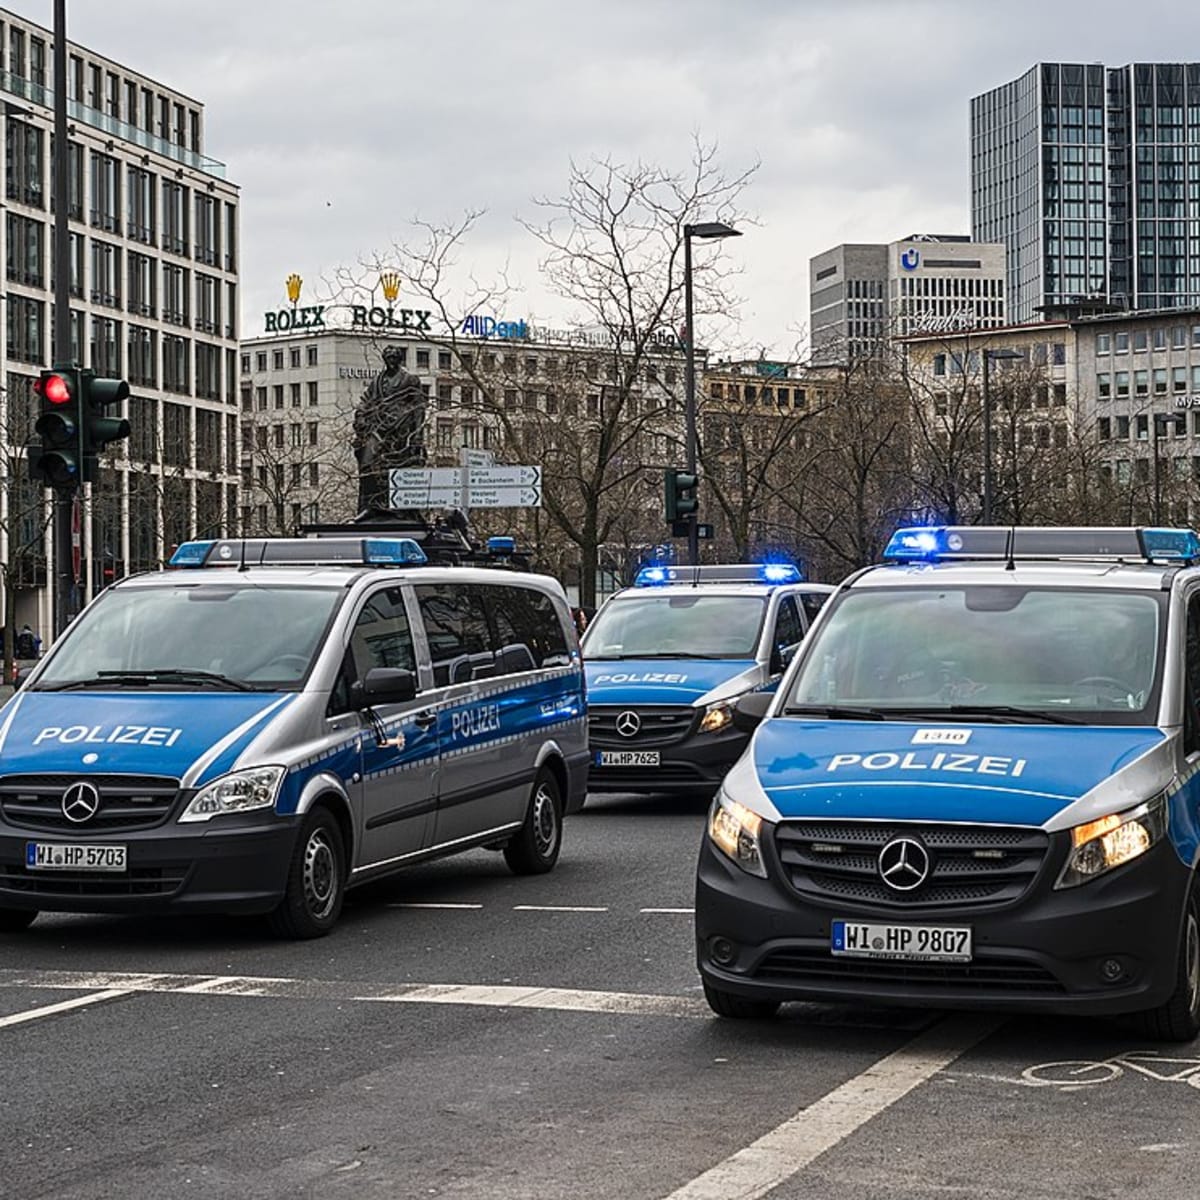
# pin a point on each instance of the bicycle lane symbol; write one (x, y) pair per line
(1073, 1075)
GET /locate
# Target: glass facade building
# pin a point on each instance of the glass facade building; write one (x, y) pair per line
(1090, 176)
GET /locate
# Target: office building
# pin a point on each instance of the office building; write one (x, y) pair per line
(863, 296)
(1086, 174)
(153, 287)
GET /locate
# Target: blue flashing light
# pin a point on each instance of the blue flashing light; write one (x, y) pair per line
(502, 545)
(651, 577)
(781, 573)
(1171, 543)
(392, 550)
(190, 554)
(917, 544)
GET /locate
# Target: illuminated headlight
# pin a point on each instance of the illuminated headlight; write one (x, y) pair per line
(736, 831)
(1101, 845)
(718, 716)
(239, 791)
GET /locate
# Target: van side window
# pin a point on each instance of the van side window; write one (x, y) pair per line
(811, 603)
(788, 633)
(1191, 678)
(528, 632)
(381, 636)
(456, 626)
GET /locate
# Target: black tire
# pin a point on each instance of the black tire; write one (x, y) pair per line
(533, 849)
(14, 920)
(727, 1004)
(1179, 1019)
(316, 881)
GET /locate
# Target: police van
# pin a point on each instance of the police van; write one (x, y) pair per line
(977, 786)
(667, 658)
(276, 720)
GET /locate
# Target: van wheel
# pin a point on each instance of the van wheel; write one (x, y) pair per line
(1179, 1019)
(533, 849)
(316, 881)
(14, 920)
(728, 1004)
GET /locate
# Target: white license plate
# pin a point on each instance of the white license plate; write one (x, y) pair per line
(627, 758)
(912, 943)
(60, 856)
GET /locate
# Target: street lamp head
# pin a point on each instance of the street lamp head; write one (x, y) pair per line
(710, 229)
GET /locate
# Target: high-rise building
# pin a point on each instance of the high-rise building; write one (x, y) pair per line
(1086, 174)
(153, 295)
(862, 296)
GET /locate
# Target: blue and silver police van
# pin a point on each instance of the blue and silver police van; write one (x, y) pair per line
(977, 786)
(667, 658)
(274, 721)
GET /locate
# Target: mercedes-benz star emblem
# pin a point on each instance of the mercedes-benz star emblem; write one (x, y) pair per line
(904, 864)
(80, 802)
(628, 723)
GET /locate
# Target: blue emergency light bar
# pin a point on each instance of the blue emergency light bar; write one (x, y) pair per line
(956, 543)
(501, 545)
(768, 573)
(259, 552)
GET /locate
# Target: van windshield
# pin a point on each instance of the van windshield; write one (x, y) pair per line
(677, 625)
(244, 637)
(986, 652)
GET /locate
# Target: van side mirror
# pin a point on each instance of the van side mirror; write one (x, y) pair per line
(749, 711)
(21, 677)
(781, 656)
(384, 685)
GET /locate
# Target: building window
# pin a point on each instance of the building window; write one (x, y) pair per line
(1142, 427)
(23, 156)
(176, 365)
(208, 303)
(175, 218)
(260, 361)
(142, 290)
(245, 364)
(1104, 385)
(25, 329)
(939, 364)
(1122, 383)
(422, 360)
(106, 193)
(1104, 429)
(313, 388)
(1160, 381)
(1179, 335)
(277, 360)
(1179, 379)
(208, 371)
(1139, 341)
(312, 433)
(26, 239)
(105, 355)
(1122, 343)
(277, 395)
(294, 357)
(294, 395)
(208, 230)
(1103, 343)
(445, 394)
(176, 295)
(106, 274)
(143, 356)
(141, 186)
(1123, 428)
(260, 398)
(312, 356)
(1141, 383)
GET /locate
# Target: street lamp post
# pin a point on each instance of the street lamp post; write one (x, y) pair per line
(708, 230)
(1160, 419)
(988, 356)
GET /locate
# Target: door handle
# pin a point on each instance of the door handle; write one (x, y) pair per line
(423, 720)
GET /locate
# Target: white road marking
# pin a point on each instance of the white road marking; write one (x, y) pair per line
(682, 911)
(788, 1148)
(557, 908)
(486, 995)
(35, 1014)
(415, 905)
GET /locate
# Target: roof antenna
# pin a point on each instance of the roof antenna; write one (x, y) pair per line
(1010, 545)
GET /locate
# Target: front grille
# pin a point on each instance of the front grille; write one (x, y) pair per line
(660, 725)
(970, 864)
(138, 881)
(126, 802)
(799, 965)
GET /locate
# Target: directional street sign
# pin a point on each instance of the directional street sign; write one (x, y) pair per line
(486, 487)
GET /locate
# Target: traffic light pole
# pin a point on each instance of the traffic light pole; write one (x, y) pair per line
(64, 570)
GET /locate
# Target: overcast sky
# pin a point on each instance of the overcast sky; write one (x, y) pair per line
(342, 121)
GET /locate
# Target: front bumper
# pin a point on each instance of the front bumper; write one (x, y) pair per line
(229, 864)
(698, 763)
(1042, 953)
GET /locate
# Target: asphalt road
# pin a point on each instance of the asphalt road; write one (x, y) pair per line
(467, 1034)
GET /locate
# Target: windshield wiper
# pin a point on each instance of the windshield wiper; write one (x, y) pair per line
(146, 678)
(837, 712)
(1032, 716)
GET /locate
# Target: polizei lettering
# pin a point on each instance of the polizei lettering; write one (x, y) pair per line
(116, 735)
(475, 722)
(641, 677)
(917, 760)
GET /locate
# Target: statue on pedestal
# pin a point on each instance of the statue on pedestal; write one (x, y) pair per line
(389, 429)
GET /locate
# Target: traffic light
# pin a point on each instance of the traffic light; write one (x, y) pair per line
(98, 428)
(56, 461)
(680, 494)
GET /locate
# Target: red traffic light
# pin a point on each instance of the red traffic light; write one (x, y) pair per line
(55, 389)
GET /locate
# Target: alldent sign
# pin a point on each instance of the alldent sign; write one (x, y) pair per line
(486, 327)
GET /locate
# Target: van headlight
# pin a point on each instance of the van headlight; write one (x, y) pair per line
(719, 715)
(1112, 841)
(737, 832)
(239, 791)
